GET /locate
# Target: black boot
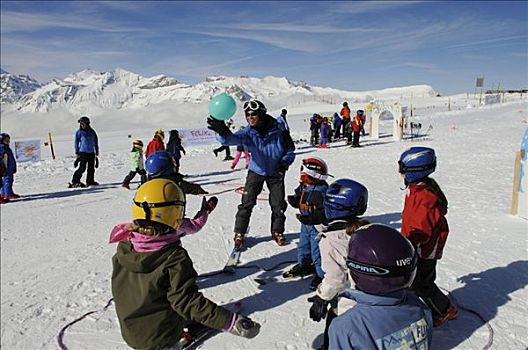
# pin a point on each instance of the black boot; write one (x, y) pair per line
(299, 271)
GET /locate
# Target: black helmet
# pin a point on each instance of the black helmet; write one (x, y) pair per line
(360, 112)
(4, 136)
(345, 103)
(284, 111)
(84, 119)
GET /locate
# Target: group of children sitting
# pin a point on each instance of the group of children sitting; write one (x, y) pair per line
(398, 302)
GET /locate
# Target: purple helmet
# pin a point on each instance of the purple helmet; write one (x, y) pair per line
(381, 260)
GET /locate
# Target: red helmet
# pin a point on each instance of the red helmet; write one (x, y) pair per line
(314, 167)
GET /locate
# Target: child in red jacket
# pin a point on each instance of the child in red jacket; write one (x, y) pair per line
(156, 144)
(425, 225)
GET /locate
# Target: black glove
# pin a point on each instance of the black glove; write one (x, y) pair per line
(210, 204)
(318, 309)
(96, 163)
(293, 200)
(282, 167)
(306, 220)
(245, 327)
(218, 126)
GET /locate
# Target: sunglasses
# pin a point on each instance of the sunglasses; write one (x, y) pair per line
(253, 105)
(251, 114)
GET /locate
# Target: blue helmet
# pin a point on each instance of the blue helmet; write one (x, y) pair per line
(417, 163)
(345, 198)
(159, 164)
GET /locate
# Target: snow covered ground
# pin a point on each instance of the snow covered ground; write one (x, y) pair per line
(56, 262)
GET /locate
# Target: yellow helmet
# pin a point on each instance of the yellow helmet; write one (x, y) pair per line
(137, 144)
(159, 200)
(160, 133)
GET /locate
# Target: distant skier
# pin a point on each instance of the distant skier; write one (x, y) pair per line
(225, 148)
(345, 116)
(309, 198)
(160, 165)
(9, 167)
(337, 126)
(137, 166)
(272, 152)
(357, 126)
(86, 147)
(156, 144)
(325, 133)
(175, 148)
(315, 125)
(425, 225)
(153, 279)
(282, 119)
(345, 201)
(387, 315)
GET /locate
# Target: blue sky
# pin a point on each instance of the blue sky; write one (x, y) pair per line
(347, 45)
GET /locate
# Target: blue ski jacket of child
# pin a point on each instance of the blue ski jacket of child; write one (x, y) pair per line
(86, 141)
(391, 321)
(11, 167)
(267, 149)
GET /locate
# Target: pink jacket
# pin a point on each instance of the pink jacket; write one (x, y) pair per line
(334, 249)
(144, 243)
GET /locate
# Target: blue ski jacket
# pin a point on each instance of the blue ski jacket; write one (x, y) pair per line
(86, 141)
(268, 149)
(11, 166)
(392, 321)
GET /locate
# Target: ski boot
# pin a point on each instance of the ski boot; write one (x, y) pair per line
(127, 186)
(238, 239)
(315, 283)
(299, 271)
(76, 185)
(279, 238)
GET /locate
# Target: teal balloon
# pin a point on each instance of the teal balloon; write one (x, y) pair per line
(222, 107)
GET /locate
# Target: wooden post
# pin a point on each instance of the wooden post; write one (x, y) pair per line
(51, 145)
(516, 181)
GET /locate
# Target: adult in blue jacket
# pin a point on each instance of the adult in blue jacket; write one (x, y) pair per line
(86, 148)
(272, 152)
(8, 169)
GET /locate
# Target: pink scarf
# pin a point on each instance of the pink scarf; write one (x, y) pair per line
(142, 243)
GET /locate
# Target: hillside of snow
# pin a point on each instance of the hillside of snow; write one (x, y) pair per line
(56, 260)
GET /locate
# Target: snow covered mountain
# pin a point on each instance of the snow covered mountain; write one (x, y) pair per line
(13, 87)
(121, 89)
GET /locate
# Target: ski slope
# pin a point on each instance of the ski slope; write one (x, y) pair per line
(56, 260)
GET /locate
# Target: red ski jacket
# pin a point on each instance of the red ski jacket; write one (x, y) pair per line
(154, 145)
(357, 124)
(423, 222)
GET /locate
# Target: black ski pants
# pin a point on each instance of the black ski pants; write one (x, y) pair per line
(85, 160)
(355, 142)
(425, 287)
(133, 173)
(277, 202)
(223, 148)
(346, 121)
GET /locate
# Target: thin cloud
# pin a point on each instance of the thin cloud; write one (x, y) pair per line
(489, 41)
(356, 7)
(12, 21)
(288, 27)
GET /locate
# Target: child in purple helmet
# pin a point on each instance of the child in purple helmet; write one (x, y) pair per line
(387, 315)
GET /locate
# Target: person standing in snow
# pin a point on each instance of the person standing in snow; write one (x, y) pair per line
(425, 225)
(337, 126)
(357, 126)
(387, 315)
(175, 148)
(225, 148)
(272, 152)
(282, 119)
(325, 132)
(156, 144)
(9, 167)
(345, 116)
(137, 166)
(153, 278)
(309, 197)
(86, 147)
(345, 201)
(315, 125)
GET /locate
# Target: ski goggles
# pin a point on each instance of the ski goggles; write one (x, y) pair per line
(314, 171)
(253, 105)
(402, 168)
(148, 206)
(407, 266)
